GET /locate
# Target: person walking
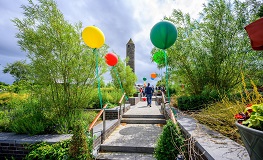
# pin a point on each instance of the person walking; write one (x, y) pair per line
(149, 92)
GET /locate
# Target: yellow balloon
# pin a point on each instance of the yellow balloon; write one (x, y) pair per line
(93, 37)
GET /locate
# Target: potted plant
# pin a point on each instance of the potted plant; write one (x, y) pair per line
(250, 127)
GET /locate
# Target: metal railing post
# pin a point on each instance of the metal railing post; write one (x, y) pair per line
(104, 126)
(120, 102)
(120, 110)
(124, 108)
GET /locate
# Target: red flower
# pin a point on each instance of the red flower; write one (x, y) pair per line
(238, 116)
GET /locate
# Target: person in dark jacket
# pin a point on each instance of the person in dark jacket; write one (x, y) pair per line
(149, 92)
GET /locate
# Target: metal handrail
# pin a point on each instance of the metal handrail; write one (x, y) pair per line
(122, 98)
(120, 104)
(96, 118)
(171, 111)
(102, 111)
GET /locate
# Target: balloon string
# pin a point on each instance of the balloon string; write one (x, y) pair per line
(166, 75)
(114, 68)
(97, 74)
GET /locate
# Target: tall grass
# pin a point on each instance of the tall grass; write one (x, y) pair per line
(220, 116)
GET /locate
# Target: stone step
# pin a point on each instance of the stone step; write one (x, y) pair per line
(143, 121)
(143, 116)
(124, 155)
(127, 149)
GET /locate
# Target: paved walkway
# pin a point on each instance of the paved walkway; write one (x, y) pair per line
(137, 138)
(142, 109)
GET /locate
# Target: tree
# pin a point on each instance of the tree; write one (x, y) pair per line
(210, 53)
(63, 67)
(260, 11)
(124, 75)
(19, 70)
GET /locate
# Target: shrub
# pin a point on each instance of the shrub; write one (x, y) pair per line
(4, 121)
(78, 148)
(5, 97)
(27, 117)
(195, 102)
(57, 151)
(66, 124)
(109, 95)
(170, 142)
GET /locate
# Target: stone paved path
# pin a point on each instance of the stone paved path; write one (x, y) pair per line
(133, 141)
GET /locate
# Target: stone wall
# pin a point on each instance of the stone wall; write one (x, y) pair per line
(98, 140)
(206, 144)
(10, 149)
(134, 100)
(14, 145)
(115, 112)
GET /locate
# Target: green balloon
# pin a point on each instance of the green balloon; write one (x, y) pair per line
(163, 34)
(144, 79)
(159, 57)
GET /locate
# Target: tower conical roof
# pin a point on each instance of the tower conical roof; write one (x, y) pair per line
(130, 41)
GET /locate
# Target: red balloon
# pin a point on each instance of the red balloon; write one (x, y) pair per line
(111, 59)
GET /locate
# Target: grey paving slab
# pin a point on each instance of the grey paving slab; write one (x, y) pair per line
(23, 138)
(141, 108)
(134, 141)
(215, 145)
(126, 156)
(99, 127)
(138, 135)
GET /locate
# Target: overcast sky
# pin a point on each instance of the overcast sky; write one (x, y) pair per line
(119, 20)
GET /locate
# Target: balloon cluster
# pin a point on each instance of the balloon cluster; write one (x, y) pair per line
(94, 38)
(163, 35)
(144, 81)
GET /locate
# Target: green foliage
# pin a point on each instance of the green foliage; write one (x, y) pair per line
(220, 116)
(27, 117)
(62, 66)
(109, 95)
(212, 51)
(66, 124)
(57, 151)
(78, 148)
(21, 114)
(3, 84)
(260, 11)
(172, 90)
(4, 121)
(19, 70)
(5, 97)
(170, 142)
(256, 117)
(124, 75)
(196, 102)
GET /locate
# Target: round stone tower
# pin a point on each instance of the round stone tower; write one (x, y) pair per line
(130, 50)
